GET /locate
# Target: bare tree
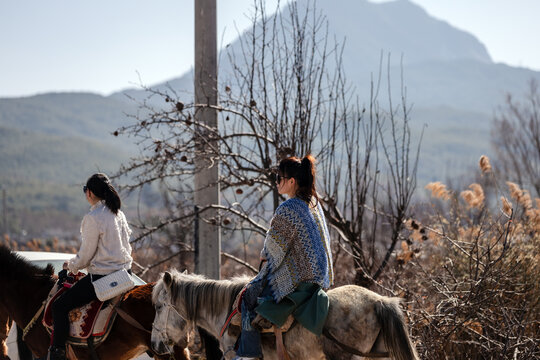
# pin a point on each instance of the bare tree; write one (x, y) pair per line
(286, 95)
(275, 102)
(516, 139)
(369, 190)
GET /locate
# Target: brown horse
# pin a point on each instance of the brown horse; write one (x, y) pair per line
(25, 286)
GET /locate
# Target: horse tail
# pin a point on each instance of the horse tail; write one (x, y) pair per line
(394, 331)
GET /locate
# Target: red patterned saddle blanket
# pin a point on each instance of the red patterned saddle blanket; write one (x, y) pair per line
(94, 319)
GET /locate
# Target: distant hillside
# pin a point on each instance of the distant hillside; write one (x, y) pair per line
(451, 145)
(182, 86)
(43, 176)
(28, 156)
(69, 114)
(464, 84)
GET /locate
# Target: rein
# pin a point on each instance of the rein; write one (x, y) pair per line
(34, 319)
(228, 321)
(32, 322)
(131, 321)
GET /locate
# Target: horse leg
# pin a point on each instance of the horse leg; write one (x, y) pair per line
(5, 326)
(70, 354)
(178, 353)
(300, 344)
(380, 347)
(227, 342)
(210, 345)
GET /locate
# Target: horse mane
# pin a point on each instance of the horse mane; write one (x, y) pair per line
(20, 269)
(200, 293)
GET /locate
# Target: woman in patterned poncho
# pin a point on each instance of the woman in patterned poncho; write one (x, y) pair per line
(297, 260)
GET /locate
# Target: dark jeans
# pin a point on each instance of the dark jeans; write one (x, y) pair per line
(78, 295)
(249, 343)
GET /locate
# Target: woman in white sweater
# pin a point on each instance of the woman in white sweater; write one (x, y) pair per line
(104, 249)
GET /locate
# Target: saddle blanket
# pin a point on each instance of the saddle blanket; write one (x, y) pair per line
(234, 320)
(94, 319)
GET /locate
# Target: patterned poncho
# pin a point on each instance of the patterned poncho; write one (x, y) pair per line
(297, 249)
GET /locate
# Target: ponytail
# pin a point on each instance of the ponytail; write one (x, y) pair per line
(306, 179)
(101, 186)
(304, 173)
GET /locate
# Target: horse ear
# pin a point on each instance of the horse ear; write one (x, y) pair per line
(185, 272)
(167, 278)
(49, 270)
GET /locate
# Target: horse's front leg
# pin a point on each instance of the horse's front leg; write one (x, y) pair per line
(227, 343)
(178, 354)
(5, 325)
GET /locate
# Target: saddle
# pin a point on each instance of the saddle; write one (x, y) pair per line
(261, 324)
(89, 323)
(233, 326)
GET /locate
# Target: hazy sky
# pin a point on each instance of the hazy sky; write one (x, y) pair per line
(102, 45)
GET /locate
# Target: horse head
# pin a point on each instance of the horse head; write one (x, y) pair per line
(170, 326)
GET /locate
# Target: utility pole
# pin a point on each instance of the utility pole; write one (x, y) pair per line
(208, 246)
(4, 213)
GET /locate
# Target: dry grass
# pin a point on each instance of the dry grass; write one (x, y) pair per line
(473, 292)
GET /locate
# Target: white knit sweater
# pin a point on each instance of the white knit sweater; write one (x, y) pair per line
(105, 244)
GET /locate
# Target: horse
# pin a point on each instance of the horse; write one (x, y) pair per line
(25, 287)
(366, 323)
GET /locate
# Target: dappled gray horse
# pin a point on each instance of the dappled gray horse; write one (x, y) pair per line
(359, 319)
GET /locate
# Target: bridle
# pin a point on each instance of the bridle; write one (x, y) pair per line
(163, 331)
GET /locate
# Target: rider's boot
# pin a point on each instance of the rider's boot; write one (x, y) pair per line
(56, 353)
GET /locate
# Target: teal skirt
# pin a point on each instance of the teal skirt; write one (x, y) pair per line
(308, 304)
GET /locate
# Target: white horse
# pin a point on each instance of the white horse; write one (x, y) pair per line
(359, 321)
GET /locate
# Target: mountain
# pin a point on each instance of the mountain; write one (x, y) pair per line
(451, 82)
(400, 27)
(442, 65)
(52, 142)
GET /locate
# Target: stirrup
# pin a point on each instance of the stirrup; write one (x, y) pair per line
(56, 353)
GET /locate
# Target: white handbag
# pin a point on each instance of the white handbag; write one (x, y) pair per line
(113, 285)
